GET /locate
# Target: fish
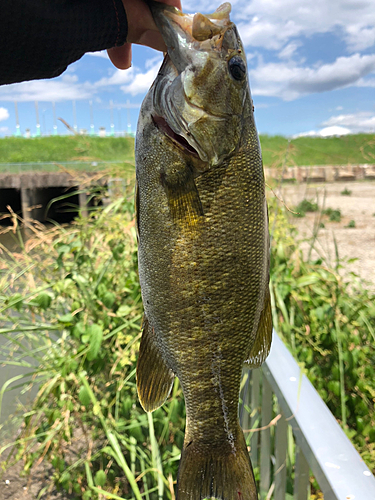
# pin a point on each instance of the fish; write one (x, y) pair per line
(203, 245)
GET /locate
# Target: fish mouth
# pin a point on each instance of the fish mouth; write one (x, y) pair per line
(183, 32)
(162, 124)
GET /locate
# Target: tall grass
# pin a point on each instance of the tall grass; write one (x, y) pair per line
(327, 318)
(70, 310)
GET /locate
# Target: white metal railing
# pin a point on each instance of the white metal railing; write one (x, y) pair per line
(285, 417)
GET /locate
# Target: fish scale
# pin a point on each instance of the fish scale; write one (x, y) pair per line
(203, 248)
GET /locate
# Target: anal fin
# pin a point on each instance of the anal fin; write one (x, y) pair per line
(262, 344)
(154, 378)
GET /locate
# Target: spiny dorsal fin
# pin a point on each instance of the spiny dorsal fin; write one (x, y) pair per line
(262, 345)
(154, 378)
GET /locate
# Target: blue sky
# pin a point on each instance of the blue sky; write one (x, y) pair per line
(311, 67)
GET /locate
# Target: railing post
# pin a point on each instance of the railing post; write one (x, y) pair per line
(301, 476)
(244, 414)
(281, 442)
(255, 420)
(265, 439)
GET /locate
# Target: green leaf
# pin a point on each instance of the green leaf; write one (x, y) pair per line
(109, 299)
(66, 318)
(84, 396)
(43, 300)
(100, 478)
(95, 333)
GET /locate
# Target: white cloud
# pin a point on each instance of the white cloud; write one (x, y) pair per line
(334, 130)
(353, 123)
(154, 61)
(69, 78)
(290, 81)
(325, 132)
(142, 81)
(357, 122)
(102, 53)
(366, 82)
(5, 130)
(119, 77)
(46, 90)
(4, 114)
(289, 50)
(272, 23)
(360, 37)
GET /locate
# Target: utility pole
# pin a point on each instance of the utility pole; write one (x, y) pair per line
(128, 115)
(54, 118)
(74, 116)
(92, 130)
(38, 134)
(18, 130)
(112, 132)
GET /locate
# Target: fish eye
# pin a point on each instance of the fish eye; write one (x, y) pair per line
(237, 68)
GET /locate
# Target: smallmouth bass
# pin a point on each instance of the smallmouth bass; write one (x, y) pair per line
(203, 245)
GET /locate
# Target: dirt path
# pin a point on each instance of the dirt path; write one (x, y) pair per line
(353, 242)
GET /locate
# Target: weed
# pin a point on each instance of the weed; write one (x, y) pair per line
(351, 223)
(305, 206)
(334, 215)
(346, 192)
(329, 323)
(74, 312)
(71, 310)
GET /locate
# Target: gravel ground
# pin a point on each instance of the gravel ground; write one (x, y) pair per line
(357, 242)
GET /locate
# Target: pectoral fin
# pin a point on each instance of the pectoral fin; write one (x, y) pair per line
(182, 193)
(262, 345)
(154, 378)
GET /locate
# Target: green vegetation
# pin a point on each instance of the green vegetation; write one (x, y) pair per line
(70, 309)
(358, 148)
(351, 223)
(346, 192)
(74, 313)
(328, 322)
(334, 215)
(305, 206)
(66, 148)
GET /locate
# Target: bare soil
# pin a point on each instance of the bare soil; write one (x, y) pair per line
(352, 242)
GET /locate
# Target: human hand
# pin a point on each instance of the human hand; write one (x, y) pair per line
(141, 30)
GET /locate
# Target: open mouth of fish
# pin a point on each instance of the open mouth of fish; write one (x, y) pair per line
(184, 35)
(162, 124)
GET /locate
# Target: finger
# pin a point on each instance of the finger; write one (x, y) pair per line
(121, 57)
(152, 39)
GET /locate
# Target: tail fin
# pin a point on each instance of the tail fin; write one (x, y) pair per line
(216, 473)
